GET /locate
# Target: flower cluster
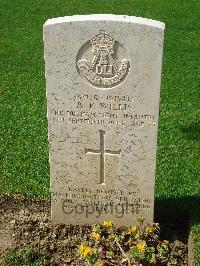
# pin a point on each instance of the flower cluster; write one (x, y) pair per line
(89, 253)
(137, 245)
(107, 224)
(141, 247)
(85, 250)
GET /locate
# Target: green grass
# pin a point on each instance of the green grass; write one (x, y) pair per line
(26, 257)
(23, 130)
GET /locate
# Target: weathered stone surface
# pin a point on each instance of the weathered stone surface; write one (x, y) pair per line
(103, 84)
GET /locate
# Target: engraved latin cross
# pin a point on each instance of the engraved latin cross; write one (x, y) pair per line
(102, 152)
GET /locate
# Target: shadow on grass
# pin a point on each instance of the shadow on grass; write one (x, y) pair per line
(173, 209)
(191, 131)
(178, 214)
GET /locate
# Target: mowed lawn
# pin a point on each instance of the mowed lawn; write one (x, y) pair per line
(23, 128)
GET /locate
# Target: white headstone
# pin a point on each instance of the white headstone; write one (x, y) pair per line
(103, 86)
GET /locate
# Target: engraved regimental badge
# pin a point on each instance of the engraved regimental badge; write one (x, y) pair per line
(102, 61)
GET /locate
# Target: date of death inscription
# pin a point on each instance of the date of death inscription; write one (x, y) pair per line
(87, 202)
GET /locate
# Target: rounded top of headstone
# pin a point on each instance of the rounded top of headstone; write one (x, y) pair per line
(106, 17)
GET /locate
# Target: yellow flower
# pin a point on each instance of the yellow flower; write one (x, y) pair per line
(165, 242)
(107, 223)
(85, 250)
(149, 229)
(132, 229)
(141, 247)
(95, 235)
(82, 248)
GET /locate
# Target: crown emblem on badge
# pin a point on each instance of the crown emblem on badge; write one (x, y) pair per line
(102, 70)
(103, 41)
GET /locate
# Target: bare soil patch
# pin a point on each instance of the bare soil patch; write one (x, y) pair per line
(25, 222)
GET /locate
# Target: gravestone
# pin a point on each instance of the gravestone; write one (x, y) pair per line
(103, 77)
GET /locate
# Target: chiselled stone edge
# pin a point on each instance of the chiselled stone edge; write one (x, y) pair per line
(106, 17)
